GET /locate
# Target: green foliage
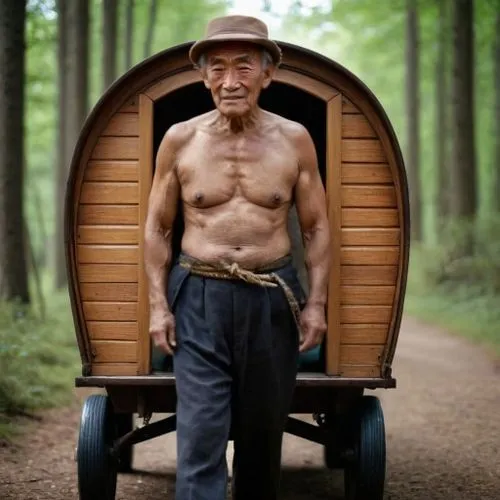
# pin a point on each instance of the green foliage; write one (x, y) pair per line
(456, 290)
(38, 359)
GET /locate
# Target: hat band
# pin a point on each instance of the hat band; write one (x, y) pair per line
(229, 31)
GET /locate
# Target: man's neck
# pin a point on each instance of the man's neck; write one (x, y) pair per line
(238, 124)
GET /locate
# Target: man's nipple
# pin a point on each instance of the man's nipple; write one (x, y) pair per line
(198, 198)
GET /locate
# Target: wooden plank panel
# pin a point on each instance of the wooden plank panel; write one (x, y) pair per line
(369, 196)
(107, 273)
(116, 148)
(131, 105)
(348, 107)
(370, 236)
(101, 193)
(365, 314)
(110, 311)
(108, 214)
(306, 83)
(112, 234)
(114, 369)
(368, 275)
(112, 170)
(114, 351)
(367, 295)
(367, 256)
(361, 354)
(366, 173)
(112, 330)
(107, 254)
(146, 155)
(333, 197)
(362, 151)
(122, 125)
(370, 217)
(364, 334)
(357, 126)
(109, 292)
(359, 371)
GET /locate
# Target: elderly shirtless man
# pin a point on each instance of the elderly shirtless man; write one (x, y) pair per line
(231, 310)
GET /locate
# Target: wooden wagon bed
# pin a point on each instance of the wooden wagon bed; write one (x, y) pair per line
(108, 187)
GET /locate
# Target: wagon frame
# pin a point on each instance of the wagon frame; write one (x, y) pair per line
(348, 423)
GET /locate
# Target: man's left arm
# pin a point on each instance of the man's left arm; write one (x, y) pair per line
(312, 212)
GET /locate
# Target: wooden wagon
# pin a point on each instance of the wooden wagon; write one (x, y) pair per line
(110, 178)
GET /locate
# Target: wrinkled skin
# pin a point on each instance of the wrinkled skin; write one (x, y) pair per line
(237, 169)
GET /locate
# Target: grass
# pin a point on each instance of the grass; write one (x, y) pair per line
(38, 358)
(467, 310)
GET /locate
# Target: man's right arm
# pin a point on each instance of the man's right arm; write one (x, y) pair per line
(162, 210)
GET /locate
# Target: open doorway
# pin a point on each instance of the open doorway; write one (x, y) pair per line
(282, 99)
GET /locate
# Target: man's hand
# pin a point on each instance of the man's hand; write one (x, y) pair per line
(313, 323)
(162, 330)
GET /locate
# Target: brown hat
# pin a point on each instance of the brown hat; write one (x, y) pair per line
(235, 28)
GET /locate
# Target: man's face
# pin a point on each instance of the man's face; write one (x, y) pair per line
(235, 75)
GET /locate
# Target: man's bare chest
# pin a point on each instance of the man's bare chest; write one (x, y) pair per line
(213, 172)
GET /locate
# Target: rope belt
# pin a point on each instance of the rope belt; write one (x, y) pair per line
(224, 270)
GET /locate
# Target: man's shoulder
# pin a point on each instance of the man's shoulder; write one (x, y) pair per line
(180, 133)
(292, 130)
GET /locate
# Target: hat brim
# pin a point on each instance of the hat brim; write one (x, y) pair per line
(202, 45)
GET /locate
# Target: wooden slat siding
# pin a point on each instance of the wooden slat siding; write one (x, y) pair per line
(369, 256)
(110, 311)
(364, 334)
(131, 105)
(166, 85)
(360, 314)
(368, 196)
(367, 295)
(362, 151)
(359, 371)
(112, 234)
(366, 173)
(353, 236)
(122, 125)
(348, 107)
(116, 148)
(109, 292)
(370, 217)
(114, 351)
(333, 192)
(107, 273)
(108, 214)
(112, 330)
(109, 170)
(356, 127)
(107, 254)
(368, 275)
(360, 354)
(146, 160)
(114, 369)
(113, 193)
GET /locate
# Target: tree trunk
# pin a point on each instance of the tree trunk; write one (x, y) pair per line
(109, 31)
(441, 115)
(73, 101)
(463, 197)
(413, 110)
(148, 44)
(496, 125)
(129, 33)
(13, 268)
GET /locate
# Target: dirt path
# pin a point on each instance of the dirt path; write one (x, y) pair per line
(443, 429)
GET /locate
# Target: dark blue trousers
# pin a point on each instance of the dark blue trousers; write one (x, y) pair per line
(235, 367)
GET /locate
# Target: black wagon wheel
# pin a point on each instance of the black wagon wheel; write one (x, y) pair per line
(97, 468)
(364, 476)
(124, 423)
